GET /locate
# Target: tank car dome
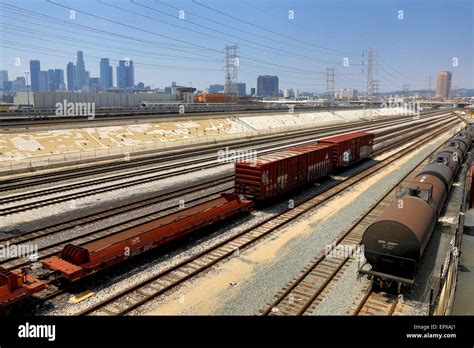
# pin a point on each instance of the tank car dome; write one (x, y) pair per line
(440, 170)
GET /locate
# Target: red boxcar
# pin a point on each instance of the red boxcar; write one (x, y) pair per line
(76, 262)
(16, 286)
(278, 172)
(350, 148)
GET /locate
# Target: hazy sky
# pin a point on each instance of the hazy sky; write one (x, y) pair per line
(296, 40)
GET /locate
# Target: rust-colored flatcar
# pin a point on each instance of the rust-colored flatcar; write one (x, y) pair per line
(17, 285)
(76, 262)
(276, 173)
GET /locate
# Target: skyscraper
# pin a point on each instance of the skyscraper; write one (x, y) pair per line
(35, 69)
(71, 76)
(43, 81)
(3, 77)
(87, 82)
(80, 72)
(105, 74)
(94, 84)
(443, 84)
(267, 86)
(59, 79)
(242, 89)
(51, 81)
(216, 88)
(130, 74)
(125, 74)
(19, 84)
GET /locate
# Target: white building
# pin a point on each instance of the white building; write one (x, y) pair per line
(348, 93)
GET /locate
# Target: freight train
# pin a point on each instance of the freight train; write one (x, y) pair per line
(395, 242)
(279, 172)
(267, 176)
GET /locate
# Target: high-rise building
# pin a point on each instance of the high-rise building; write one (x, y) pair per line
(35, 69)
(19, 84)
(3, 77)
(252, 91)
(43, 82)
(121, 75)
(94, 84)
(105, 74)
(267, 86)
(125, 74)
(443, 84)
(59, 79)
(216, 88)
(51, 80)
(87, 81)
(130, 74)
(242, 89)
(71, 76)
(7, 86)
(80, 72)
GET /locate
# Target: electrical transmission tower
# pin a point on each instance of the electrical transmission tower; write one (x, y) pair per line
(428, 85)
(375, 88)
(232, 63)
(369, 92)
(330, 81)
(406, 89)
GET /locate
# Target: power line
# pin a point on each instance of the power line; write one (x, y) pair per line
(132, 27)
(56, 21)
(265, 29)
(147, 31)
(231, 27)
(259, 45)
(69, 54)
(65, 41)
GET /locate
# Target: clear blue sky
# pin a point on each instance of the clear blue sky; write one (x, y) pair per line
(322, 33)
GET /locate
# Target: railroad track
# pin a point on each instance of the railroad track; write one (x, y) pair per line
(37, 117)
(107, 213)
(304, 293)
(56, 247)
(126, 208)
(126, 301)
(376, 303)
(106, 188)
(45, 178)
